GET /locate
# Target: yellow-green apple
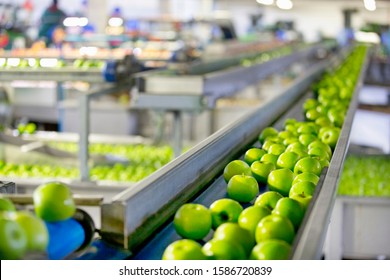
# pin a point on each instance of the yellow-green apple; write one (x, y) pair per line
(271, 249)
(253, 154)
(287, 160)
(261, 170)
(275, 227)
(221, 249)
(308, 164)
(192, 221)
(291, 209)
(54, 202)
(242, 188)
(251, 216)
(232, 232)
(268, 199)
(225, 210)
(236, 167)
(280, 180)
(184, 249)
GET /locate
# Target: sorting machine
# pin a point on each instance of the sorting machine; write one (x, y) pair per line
(136, 223)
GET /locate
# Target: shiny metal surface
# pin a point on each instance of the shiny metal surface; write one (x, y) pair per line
(58, 75)
(82, 200)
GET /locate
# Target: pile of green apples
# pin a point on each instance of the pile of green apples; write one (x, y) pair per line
(24, 232)
(270, 189)
(143, 161)
(374, 181)
(266, 56)
(83, 63)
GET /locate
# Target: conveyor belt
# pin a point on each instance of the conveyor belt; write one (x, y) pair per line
(179, 181)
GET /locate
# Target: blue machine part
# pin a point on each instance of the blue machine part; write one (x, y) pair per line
(65, 237)
(109, 71)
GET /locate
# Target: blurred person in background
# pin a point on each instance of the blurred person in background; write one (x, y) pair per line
(51, 19)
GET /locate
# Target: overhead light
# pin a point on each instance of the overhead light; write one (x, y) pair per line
(367, 37)
(88, 51)
(370, 5)
(115, 22)
(48, 62)
(13, 62)
(75, 21)
(32, 62)
(265, 2)
(284, 4)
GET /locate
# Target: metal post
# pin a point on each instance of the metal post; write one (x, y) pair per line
(60, 98)
(177, 133)
(83, 141)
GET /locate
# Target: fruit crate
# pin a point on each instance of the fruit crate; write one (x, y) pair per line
(358, 229)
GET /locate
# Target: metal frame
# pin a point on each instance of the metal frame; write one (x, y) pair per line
(85, 121)
(52, 74)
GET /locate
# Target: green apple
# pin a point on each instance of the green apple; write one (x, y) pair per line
(268, 199)
(184, 249)
(319, 153)
(268, 143)
(261, 170)
(322, 110)
(6, 205)
(303, 199)
(266, 132)
(290, 140)
(54, 202)
(323, 121)
(242, 188)
(291, 127)
(305, 139)
(297, 148)
(221, 249)
(310, 103)
(291, 209)
(35, 230)
(290, 121)
(232, 232)
(287, 160)
(323, 146)
(225, 210)
(330, 136)
(253, 154)
(276, 149)
(13, 239)
(306, 181)
(280, 180)
(324, 163)
(308, 164)
(271, 249)
(285, 134)
(336, 117)
(312, 114)
(275, 227)
(192, 221)
(304, 187)
(236, 167)
(306, 128)
(30, 128)
(269, 158)
(251, 216)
